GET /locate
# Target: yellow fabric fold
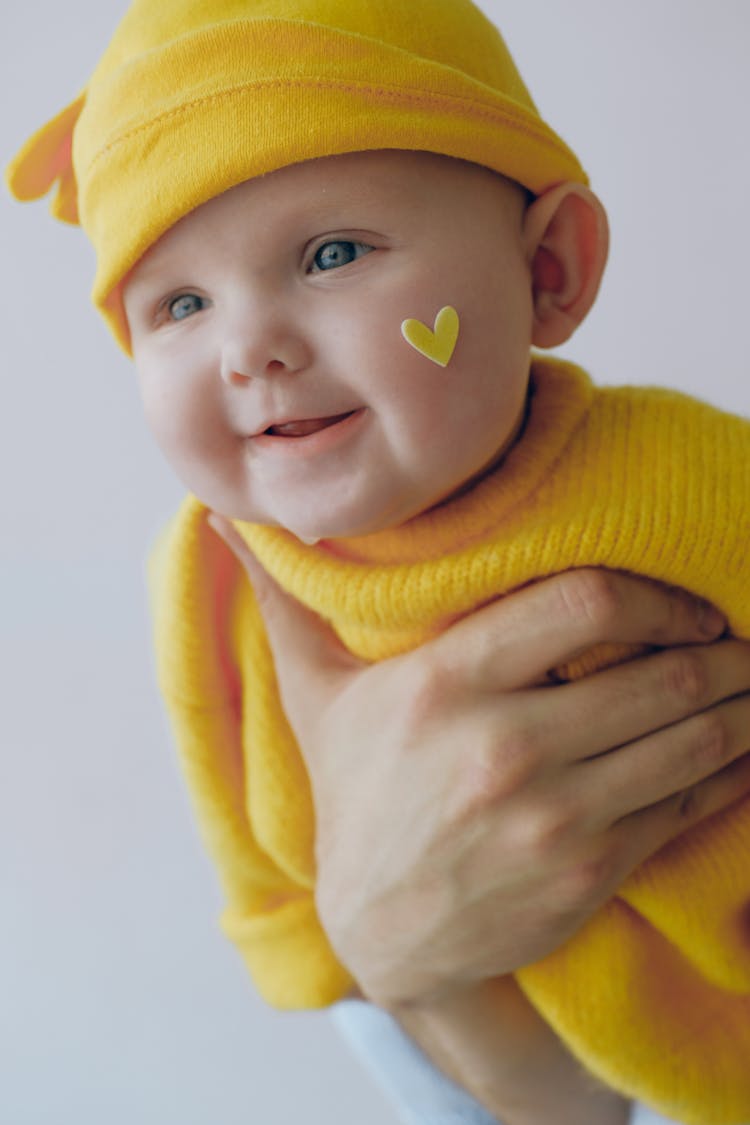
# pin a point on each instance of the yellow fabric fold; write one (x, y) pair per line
(654, 994)
(46, 159)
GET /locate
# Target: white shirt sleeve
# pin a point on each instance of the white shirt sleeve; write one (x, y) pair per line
(420, 1094)
(642, 1115)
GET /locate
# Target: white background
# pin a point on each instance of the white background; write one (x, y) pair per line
(121, 1002)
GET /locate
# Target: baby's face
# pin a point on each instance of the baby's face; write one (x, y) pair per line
(267, 334)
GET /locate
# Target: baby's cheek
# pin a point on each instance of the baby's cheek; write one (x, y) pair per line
(160, 411)
(172, 414)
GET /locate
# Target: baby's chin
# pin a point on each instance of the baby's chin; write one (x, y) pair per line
(348, 521)
(341, 527)
(310, 534)
(336, 527)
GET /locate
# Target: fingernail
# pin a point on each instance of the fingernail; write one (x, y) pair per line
(710, 620)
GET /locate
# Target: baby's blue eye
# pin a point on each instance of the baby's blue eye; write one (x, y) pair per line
(184, 306)
(334, 254)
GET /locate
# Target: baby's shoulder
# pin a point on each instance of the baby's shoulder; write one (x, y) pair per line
(659, 423)
(663, 405)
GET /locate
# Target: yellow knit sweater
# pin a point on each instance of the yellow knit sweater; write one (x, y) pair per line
(654, 994)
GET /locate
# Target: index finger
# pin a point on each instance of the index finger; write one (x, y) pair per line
(309, 660)
(513, 642)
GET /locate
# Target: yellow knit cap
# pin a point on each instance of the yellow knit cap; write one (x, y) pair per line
(194, 96)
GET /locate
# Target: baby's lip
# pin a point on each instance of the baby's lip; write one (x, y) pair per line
(302, 427)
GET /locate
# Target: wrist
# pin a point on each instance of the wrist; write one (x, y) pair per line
(490, 1040)
(482, 1022)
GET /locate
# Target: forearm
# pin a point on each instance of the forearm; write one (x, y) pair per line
(491, 1042)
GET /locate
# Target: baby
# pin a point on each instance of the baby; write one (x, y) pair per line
(330, 234)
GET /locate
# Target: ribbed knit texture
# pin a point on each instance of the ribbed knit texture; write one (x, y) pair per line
(654, 994)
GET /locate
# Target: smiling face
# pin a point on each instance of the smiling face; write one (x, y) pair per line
(266, 331)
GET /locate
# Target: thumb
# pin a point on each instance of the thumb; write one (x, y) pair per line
(312, 666)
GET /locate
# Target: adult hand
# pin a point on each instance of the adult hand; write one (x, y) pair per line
(469, 816)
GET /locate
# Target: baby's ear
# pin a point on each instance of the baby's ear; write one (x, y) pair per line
(566, 237)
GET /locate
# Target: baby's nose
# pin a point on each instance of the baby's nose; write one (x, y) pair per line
(255, 351)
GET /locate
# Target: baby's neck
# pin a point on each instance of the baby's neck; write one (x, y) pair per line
(497, 458)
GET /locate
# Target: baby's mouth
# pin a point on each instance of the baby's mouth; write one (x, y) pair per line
(306, 426)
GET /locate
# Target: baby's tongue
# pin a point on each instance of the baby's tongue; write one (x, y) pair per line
(303, 428)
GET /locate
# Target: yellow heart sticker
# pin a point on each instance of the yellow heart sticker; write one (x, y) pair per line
(437, 344)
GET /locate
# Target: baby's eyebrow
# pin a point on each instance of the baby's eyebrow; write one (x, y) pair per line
(155, 270)
(152, 265)
(142, 289)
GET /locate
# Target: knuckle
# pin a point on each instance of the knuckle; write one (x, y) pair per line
(588, 881)
(685, 676)
(549, 827)
(712, 742)
(495, 771)
(429, 688)
(712, 752)
(680, 608)
(591, 597)
(515, 759)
